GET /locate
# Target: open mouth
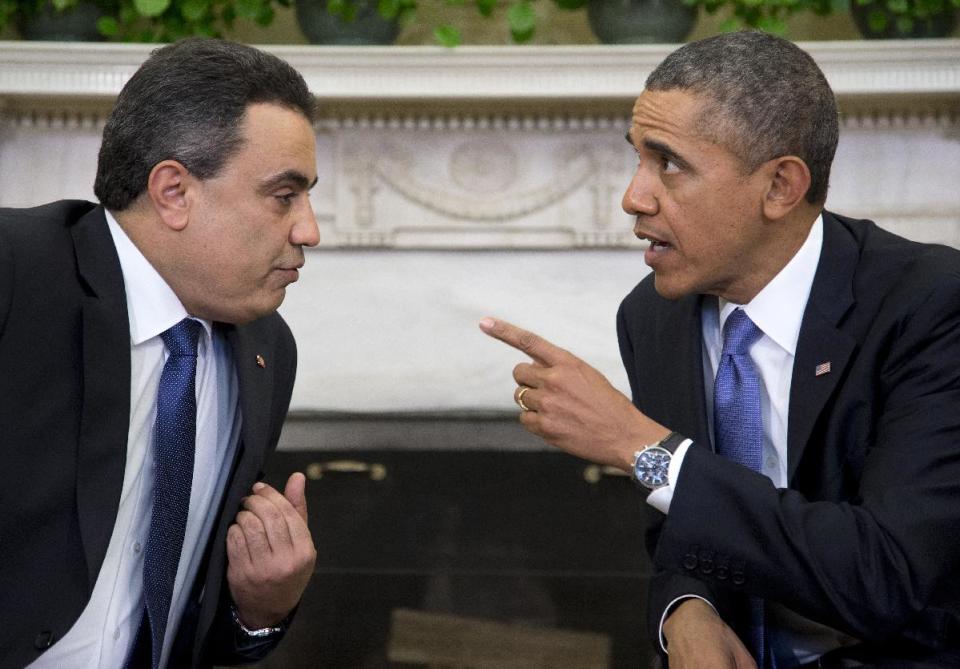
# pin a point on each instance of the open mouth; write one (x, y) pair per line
(655, 244)
(657, 252)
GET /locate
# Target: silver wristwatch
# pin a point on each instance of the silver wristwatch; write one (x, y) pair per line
(652, 464)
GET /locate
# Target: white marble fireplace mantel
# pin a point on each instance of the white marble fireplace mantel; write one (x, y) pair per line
(456, 183)
(82, 70)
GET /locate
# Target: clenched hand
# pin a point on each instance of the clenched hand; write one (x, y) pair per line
(697, 638)
(270, 553)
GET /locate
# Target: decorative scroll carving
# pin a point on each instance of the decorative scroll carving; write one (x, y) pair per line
(520, 188)
(485, 167)
(575, 166)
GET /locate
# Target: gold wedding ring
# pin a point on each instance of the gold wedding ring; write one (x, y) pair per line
(523, 406)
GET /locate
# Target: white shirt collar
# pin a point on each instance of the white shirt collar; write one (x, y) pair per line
(778, 308)
(152, 306)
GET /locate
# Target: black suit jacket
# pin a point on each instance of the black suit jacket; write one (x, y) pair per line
(867, 537)
(64, 417)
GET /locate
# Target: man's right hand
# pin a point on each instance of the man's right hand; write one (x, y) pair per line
(697, 638)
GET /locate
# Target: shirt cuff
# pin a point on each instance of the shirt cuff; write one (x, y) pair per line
(660, 498)
(670, 607)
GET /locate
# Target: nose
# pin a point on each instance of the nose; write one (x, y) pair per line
(305, 231)
(640, 197)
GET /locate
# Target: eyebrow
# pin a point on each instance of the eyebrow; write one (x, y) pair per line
(299, 179)
(661, 148)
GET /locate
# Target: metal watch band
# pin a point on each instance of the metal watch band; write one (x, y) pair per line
(257, 634)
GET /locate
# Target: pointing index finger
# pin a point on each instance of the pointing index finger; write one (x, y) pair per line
(525, 341)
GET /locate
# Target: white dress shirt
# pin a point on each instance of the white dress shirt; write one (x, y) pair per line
(778, 311)
(102, 636)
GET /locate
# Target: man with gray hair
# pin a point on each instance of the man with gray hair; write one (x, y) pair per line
(795, 377)
(146, 376)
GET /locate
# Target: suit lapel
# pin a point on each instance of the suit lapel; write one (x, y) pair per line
(694, 407)
(255, 384)
(105, 414)
(673, 392)
(255, 380)
(255, 389)
(821, 342)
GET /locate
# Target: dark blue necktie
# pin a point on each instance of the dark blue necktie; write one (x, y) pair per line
(738, 427)
(176, 430)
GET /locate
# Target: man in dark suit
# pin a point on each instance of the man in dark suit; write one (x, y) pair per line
(112, 556)
(795, 422)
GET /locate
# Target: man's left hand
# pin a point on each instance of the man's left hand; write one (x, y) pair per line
(270, 553)
(572, 405)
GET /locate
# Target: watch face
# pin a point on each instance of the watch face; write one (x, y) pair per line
(652, 466)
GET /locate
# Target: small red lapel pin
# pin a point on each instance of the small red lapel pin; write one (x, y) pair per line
(822, 368)
(263, 363)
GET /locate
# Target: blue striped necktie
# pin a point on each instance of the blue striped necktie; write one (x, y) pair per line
(738, 427)
(176, 429)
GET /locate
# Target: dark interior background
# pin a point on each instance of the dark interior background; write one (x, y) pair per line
(462, 515)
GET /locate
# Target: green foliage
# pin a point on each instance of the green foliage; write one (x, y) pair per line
(8, 10)
(522, 21)
(157, 20)
(905, 14)
(403, 11)
(767, 15)
(13, 10)
(169, 20)
(521, 15)
(447, 35)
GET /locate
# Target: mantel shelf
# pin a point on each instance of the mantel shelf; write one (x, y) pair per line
(93, 72)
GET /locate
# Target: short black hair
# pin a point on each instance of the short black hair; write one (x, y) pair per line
(766, 98)
(187, 103)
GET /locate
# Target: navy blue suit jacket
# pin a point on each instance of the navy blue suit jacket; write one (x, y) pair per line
(866, 537)
(64, 417)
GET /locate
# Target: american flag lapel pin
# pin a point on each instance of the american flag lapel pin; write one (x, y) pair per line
(262, 364)
(822, 368)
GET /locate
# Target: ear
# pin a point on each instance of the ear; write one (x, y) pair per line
(167, 187)
(789, 181)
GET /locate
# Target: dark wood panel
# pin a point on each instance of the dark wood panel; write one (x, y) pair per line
(344, 620)
(470, 510)
(515, 537)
